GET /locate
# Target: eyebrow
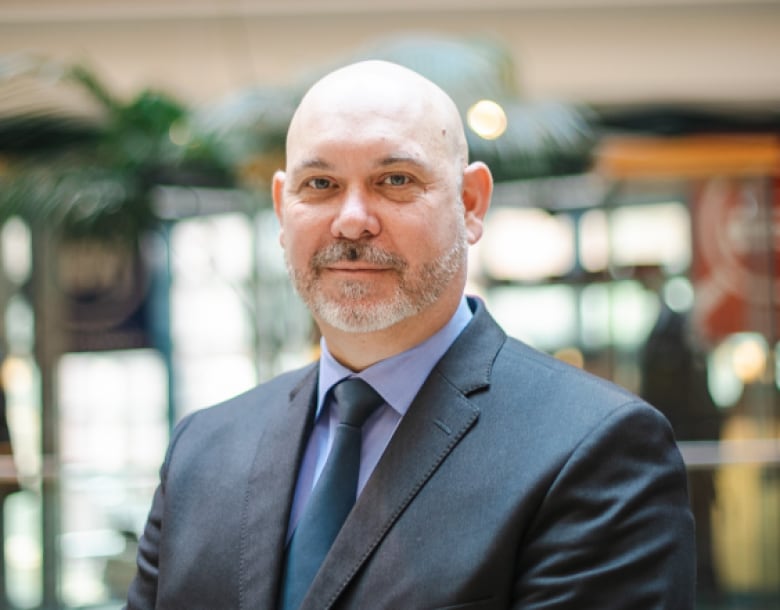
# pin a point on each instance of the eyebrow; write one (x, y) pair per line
(315, 163)
(392, 160)
(403, 160)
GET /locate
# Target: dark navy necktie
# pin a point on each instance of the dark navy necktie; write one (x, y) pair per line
(334, 493)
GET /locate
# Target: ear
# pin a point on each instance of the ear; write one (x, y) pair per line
(477, 191)
(277, 191)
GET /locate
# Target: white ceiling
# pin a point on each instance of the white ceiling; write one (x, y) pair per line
(88, 10)
(596, 51)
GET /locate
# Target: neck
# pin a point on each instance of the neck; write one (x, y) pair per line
(358, 351)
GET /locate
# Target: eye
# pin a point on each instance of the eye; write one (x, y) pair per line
(319, 184)
(396, 180)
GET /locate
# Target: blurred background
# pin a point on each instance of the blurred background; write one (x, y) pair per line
(635, 232)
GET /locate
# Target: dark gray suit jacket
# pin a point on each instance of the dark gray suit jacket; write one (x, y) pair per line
(514, 481)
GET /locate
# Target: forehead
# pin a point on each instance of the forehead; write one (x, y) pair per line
(358, 111)
(337, 138)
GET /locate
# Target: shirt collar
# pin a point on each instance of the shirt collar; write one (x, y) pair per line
(398, 378)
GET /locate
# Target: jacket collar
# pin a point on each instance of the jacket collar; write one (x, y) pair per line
(439, 418)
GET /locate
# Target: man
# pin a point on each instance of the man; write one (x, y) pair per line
(491, 476)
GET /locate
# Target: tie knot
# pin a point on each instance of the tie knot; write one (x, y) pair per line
(355, 401)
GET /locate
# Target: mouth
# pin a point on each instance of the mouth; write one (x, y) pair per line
(355, 258)
(356, 269)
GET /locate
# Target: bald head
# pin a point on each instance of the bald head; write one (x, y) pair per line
(374, 89)
(377, 206)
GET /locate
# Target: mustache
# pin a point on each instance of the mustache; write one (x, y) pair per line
(347, 251)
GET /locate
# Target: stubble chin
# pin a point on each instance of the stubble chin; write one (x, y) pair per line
(358, 307)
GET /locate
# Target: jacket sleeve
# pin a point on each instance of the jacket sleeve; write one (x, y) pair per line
(142, 594)
(615, 528)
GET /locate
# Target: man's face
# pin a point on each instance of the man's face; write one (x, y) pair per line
(371, 219)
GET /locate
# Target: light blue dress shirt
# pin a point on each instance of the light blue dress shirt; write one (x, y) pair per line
(397, 379)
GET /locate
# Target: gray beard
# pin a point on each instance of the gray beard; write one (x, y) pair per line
(416, 290)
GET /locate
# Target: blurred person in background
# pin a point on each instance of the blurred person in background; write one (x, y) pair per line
(674, 380)
(485, 474)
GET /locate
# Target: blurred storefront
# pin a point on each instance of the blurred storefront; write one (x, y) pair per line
(726, 414)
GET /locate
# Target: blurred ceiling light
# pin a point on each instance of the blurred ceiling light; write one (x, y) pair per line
(678, 294)
(594, 240)
(651, 234)
(740, 359)
(777, 365)
(527, 244)
(571, 355)
(23, 552)
(749, 359)
(16, 374)
(487, 119)
(179, 133)
(16, 250)
(544, 316)
(19, 325)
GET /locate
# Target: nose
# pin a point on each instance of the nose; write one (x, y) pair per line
(356, 217)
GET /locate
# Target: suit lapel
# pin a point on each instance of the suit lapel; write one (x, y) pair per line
(270, 488)
(440, 416)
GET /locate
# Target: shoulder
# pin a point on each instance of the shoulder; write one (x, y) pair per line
(547, 379)
(518, 362)
(556, 405)
(514, 369)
